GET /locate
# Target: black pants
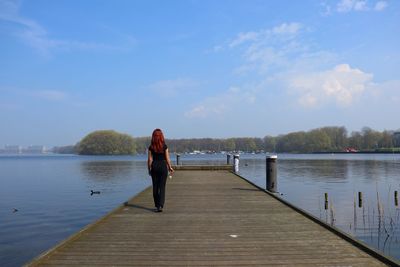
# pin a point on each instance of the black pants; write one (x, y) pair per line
(159, 173)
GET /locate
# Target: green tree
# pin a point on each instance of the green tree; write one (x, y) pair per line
(106, 142)
(142, 143)
(386, 140)
(229, 144)
(356, 140)
(292, 142)
(269, 143)
(371, 138)
(337, 137)
(317, 140)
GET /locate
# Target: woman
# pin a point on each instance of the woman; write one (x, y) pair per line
(159, 164)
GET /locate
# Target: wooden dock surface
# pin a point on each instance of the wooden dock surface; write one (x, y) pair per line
(211, 218)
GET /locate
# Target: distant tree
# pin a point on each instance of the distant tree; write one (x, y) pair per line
(106, 142)
(356, 140)
(371, 138)
(229, 144)
(269, 143)
(337, 137)
(325, 139)
(386, 140)
(292, 142)
(259, 142)
(142, 143)
(317, 140)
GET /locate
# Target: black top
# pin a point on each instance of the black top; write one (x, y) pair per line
(158, 156)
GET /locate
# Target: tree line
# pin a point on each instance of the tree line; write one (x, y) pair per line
(104, 142)
(325, 139)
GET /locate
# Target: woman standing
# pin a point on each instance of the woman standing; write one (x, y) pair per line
(159, 164)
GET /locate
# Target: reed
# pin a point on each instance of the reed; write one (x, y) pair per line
(380, 220)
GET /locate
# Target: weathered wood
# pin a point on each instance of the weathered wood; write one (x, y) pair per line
(202, 167)
(210, 218)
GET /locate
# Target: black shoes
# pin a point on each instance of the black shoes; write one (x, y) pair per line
(159, 209)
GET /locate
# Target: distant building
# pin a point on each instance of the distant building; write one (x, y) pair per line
(35, 149)
(396, 139)
(12, 149)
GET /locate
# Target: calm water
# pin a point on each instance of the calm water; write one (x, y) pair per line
(52, 194)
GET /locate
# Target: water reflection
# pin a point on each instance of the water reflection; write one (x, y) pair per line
(331, 171)
(304, 180)
(52, 194)
(105, 171)
(376, 221)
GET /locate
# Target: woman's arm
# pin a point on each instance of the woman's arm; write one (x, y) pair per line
(149, 161)
(168, 161)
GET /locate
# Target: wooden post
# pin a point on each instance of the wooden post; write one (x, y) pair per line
(326, 201)
(360, 199)
(396, 199)
(236, 163)
(178, 159)
(228, 159)
(271, 173)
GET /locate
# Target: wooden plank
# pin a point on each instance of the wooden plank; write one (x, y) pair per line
(210, 217)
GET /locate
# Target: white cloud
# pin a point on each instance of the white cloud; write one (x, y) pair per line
(244, 37)
(169, 88)
(36, 36)
(221, 105)
(349, 5)
(360, 6)
(268, 49)
(345, 6)
(285, 30)
(293, 65)
(50, 95)
(327, 9)
(217, 48)
(293, 70)
(342, 84)
(380, 5)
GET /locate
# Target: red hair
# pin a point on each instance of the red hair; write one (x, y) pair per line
(157, 141)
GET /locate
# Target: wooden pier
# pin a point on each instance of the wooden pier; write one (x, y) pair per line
(211, 218)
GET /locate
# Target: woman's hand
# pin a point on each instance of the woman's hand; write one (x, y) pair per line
(171, 170)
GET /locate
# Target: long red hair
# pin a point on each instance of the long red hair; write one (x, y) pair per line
(157, 141)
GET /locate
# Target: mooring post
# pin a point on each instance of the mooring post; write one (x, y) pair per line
(228, 159)
(178, 159)
(271, 173)
(360, 199)
(326, 201)
(396, 199)
(236, 163)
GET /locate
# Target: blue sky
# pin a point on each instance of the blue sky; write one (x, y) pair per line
(196, 68)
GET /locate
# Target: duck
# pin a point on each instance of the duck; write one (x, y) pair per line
(94, 192)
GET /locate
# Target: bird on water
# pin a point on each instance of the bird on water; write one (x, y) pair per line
(94, 192)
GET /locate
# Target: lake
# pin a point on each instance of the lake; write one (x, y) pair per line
(45, 199)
